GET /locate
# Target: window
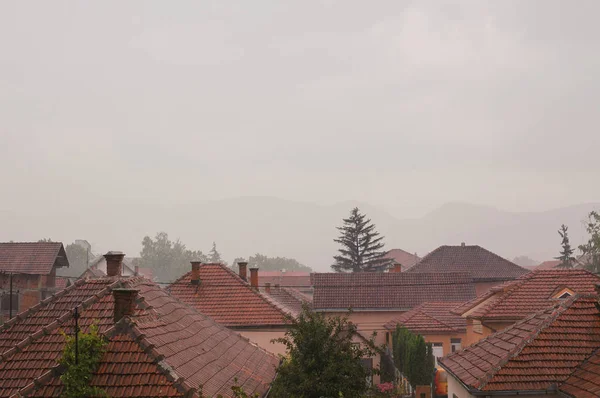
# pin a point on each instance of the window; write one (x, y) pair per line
(455, 344)
(563, 293)
(5, 303)
(368, 363)
(438, 351)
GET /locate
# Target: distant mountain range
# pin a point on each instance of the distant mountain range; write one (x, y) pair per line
(244, 226)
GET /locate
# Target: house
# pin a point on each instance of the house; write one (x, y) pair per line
(506, 304)
(552, 352)
(548, 264)
(402, 259)
(97, 269)
(436, 322)
(217, 291)
(157, 346)
(488, 269)
(289, 299)
(30, 267)
(378, 298)
(292, 279)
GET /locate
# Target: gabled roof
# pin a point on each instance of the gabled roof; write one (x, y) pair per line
(430, 318)
(403, 257)
(532, 292)
(550, 264)
(284, 279)
(165, 349)
(484, 265)
(585, 381)
(35, 258)
(533, 354)
(388, 291)
(288, 299)
(227, 298)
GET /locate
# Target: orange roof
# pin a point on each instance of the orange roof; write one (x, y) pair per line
(430, 318)
(164, 349)
(227, 298)
(36, 258)
(535, 353)
(530, 293)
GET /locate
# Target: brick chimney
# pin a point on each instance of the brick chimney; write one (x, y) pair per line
(137, 270)
(254, 277)
(397, 267)
(114, 263)
(195, 272)
(243, 266)
(268, 287)
(124, 302)
(463, 244)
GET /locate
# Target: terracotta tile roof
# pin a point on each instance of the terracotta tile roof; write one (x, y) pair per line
(392, 291)
(290, 300)
(408, 260)
(430, 318)
(484, 265)
(585, 381)
(530, 293)
(533, 354)
(35, 258)
(548, 264)
(165, 349)
(284, 279)
(228, 299)
(61, 282)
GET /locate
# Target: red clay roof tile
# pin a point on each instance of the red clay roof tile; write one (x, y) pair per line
(228, 299)
(430, 318)
(483, 265)
(284, 279)
(36, 258)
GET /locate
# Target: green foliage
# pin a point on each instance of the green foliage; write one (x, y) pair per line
(77, 376)
(78, 259)
(238, 392)
(166, 258)
(413, 357)
(322, 359)
(266, 263)
(566, 255)
(362, 247)
(214, 256)
(591, 249)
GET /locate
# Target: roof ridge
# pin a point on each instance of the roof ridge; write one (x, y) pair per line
(506, 290)
(556, 311)
(47, 329)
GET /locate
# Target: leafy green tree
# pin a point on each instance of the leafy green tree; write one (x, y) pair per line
(266, 263)
(79, 371)
(168, 259)
(362, 247)
(214, 256)
(566, 255)
(591, 249)
(322, 359)
(78, 258)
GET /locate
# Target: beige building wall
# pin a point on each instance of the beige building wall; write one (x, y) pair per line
(262, 338)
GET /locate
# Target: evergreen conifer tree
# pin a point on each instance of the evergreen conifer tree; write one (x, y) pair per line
(361, 245)
(214, 255)
(566, 255)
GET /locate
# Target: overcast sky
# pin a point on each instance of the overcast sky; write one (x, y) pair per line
(405, 104)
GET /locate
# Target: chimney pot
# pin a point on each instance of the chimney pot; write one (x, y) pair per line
(243, 268)
(254, 277)
(137, 270)
(114, 263)
(268, 287)
(124, 302)
(195, 278)
(397, 267)
(463, 244)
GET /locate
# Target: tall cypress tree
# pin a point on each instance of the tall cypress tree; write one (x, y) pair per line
(361, 245)
(566, 255)
(214, 255)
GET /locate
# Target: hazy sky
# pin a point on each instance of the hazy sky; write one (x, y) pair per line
(406, 104)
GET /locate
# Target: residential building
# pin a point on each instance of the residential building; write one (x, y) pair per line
(436, 322)
(401, 259)
(30, 267)
(157, 346)
(289, 299)
(506, 304)
(217, 291)
(97, 269)
(378, 298)
(550, 264)
(487, 268)
(289, 279)
(553, 352)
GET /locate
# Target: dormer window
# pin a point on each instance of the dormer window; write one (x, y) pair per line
(563, 293)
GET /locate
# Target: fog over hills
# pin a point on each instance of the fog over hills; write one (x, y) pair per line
(247, 225)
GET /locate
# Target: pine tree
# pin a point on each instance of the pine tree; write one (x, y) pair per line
(566, 255)
(361, 246)
(214, 255)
